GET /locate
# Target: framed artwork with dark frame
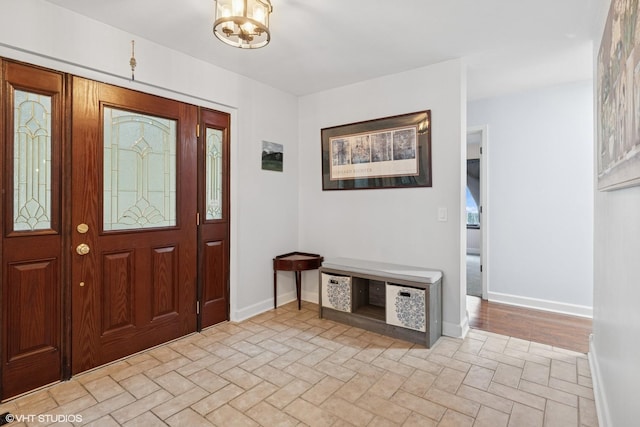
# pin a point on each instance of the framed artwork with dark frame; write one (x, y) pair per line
(391, 152)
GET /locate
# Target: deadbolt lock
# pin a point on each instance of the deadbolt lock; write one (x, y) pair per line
(83, 249)
(82, 228)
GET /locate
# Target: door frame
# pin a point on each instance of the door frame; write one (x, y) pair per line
(66, 225)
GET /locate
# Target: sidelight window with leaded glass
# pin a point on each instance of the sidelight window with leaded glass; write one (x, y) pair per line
(213, 174)
(32, 186)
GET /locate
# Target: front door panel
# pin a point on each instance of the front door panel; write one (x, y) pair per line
(214, 218)
(133, 272)
(31, 242)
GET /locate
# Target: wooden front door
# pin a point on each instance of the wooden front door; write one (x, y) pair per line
(133, 220)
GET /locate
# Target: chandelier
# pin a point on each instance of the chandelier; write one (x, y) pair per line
(243, 23)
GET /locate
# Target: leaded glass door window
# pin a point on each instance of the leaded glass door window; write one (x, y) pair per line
(139, 171)
(213, 173)
(32, 184)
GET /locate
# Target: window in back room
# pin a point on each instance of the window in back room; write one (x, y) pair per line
(473, 193)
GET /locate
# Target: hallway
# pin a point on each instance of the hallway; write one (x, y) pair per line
(561, 330)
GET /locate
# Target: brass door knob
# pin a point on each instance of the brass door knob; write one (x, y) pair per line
(83, 249)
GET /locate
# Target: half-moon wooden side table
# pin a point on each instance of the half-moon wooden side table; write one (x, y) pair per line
(297, 262)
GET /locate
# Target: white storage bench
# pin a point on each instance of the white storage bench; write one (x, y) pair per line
(396, 300)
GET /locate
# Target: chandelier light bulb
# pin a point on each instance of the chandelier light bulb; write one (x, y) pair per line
(258, 14)
(238, 7)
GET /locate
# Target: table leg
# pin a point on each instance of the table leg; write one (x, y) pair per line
(275, 289)
(298, 286)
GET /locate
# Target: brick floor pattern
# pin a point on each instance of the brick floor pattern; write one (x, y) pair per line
(290, 368)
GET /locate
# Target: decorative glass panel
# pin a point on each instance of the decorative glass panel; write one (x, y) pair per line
(32, 162)
(213, 174)
(139, 171)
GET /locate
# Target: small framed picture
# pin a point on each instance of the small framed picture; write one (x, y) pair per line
(272, 156)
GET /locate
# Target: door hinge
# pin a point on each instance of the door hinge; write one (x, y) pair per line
(480, 268)
(480, 149)
(198, 130)
(197, 307)
(480, 209)
(197, 218)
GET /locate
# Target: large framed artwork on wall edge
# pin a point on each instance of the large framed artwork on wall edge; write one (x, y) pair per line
(390, 152)
(618, 98)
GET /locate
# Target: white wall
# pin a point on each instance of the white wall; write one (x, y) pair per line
(267, 206)
(615, 348)
(540, 207)
(391, 225)
(264, 204)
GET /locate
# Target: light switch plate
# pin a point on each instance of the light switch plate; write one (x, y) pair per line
(442, 214)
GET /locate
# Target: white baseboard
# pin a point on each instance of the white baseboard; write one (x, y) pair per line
(253, 310)
(541, 304)
(310, 296)
(456, 330)
(602, 409)
(266, 305)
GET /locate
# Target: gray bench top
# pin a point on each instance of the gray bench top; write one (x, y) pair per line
(392, 271)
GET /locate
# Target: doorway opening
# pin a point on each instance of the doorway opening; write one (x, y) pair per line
(476, 212)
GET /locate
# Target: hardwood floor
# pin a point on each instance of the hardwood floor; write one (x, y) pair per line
(559, 330)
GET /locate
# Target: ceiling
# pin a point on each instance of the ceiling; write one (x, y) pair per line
(318, 45)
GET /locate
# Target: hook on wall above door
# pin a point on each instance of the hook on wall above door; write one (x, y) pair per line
(132, 61)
